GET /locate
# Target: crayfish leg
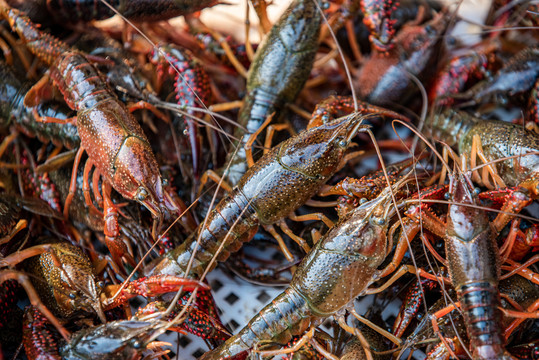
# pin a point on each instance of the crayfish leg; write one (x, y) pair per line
(477, 151)
(144, 105)
(260, 7)
(248, 147)
(6, 141)
(20, 256)
(86, 186)
(41, 92)
(300, 241)
(509, 330)
(312, 217)
(212, 175)
(434, 320)
(116, 246)
(21, 225)
(73, 182)
(287, 254)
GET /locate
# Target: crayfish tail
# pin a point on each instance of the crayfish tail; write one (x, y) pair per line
(287, 315)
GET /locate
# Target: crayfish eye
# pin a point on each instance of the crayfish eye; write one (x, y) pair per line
(447, 196)
(165, 182)
(342, 143)
(476, 191)
(136, 344)
(142, 194)
(72, 295)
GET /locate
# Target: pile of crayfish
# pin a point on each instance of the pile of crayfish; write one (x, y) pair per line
(137, 156)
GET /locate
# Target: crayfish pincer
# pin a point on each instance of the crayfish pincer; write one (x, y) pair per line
(338, 269)
(276, 185)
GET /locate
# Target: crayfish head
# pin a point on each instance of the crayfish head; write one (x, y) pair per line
(318, 152)
(151, 199)
(83, 294)
(137, 176)
(465, 220)
(161, 209)
(124, 339)
(70, 280)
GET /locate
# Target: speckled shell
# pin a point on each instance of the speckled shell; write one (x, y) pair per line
(500, 139)
(337, 270)
(279, 183)
(284, 59)
(471, 241)
(275, 190)
(342, 264)
(50, 280)
(279, 70)
(474, 268)
(112, 138)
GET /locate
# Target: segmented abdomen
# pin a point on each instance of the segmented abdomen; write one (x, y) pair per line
(79, 81)
(337, 270)
(480, 303)
(191, 83)
(46, 47)
(257, 106)
(192, 87)
(280, 69)
(233, 221)
(287, 315)
(450, 126)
